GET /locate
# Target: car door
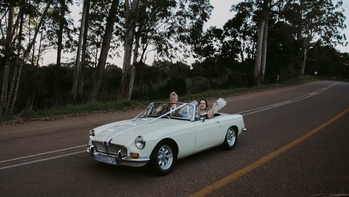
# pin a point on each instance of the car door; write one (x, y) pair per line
(207, 133)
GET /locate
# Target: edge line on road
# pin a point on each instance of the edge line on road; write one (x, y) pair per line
(40, 160)
(40, 154)
(230, 178)
(282, 103)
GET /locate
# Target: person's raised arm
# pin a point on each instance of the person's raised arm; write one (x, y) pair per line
(210, 113)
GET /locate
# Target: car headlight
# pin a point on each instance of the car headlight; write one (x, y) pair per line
(92, 132)
(140, 142)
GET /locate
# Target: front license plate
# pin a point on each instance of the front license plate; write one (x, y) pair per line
(104, 159)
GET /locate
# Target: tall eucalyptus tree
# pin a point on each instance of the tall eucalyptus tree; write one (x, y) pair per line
(168, 28)
(82, 44)
(261, 56)
(61, 23)
(128, 70)
(259, 16)
(111, 19)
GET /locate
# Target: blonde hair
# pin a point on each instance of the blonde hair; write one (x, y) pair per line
(174, 94)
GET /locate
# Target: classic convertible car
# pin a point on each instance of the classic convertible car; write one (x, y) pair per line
(161, 134)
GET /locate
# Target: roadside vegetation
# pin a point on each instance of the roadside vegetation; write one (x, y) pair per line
(124, 105)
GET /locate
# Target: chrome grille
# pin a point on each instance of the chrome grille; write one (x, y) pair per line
(104, 148)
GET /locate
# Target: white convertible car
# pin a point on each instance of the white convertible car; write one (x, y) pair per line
(161, 134)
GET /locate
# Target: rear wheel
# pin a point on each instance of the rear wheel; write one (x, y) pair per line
(163, 157)
(231, 138)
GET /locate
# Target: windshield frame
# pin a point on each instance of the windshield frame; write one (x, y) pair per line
(170, 110)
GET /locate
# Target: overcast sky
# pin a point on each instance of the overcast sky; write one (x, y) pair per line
(219, 16)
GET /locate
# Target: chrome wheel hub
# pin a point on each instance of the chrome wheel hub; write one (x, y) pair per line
(165, 157)
(231, 137)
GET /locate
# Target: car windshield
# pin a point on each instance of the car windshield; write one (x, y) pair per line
(185, 111)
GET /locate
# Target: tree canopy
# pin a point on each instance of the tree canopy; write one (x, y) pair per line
(264, 39)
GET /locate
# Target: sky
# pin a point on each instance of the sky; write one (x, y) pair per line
(219, 16)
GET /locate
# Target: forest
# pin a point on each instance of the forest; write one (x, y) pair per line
(266, 42)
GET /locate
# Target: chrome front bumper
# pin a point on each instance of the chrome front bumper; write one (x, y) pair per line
(120, 160)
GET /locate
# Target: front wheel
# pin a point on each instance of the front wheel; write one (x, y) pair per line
(231, 138)
(163, 158)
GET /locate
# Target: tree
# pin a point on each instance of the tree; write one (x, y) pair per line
(7, 57)
(128, 70)
(319, 21)
(78, 77)
(241, 29)
(58, 31)
(62, 11)
(15, 54)
(260, 17)
(168, 26)
(261, 55)
(111, 19)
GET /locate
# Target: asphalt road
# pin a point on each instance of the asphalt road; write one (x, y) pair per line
(296, 144)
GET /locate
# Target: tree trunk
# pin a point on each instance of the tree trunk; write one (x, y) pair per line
(104, 51)
(305, 54)
(17, 71)
(265, 48)
(125, 85)
(16, 87)
(262, 44)
(8, 52)
(30, 102)
(133, 68)
(242, 52)
(83, 55)
(77, 67)
(257, 68)
(39, 50)
(32, 59)
(59, 54)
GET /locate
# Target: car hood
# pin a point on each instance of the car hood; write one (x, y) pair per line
(123, 131)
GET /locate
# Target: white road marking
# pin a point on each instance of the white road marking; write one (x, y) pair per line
(40, 154)
(39, 160)
(264, 108)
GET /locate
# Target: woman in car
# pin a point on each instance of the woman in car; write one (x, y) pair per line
(203, 106)
(173, 98)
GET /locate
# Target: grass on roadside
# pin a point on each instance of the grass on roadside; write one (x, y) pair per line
(98, 107)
